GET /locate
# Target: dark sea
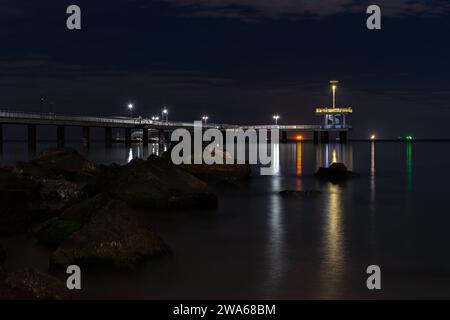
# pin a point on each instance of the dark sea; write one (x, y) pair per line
(259, 245)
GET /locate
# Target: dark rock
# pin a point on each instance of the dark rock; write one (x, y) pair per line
(113, 236)
(335, 173)
(20, 203)
(64, 161)
(53, 232)
(60, 189)
(153, 183)
(83, 211)
(215, 173)
(219, 173)
(32, 285)
(34, 171)
(303, 193)
(59, 230)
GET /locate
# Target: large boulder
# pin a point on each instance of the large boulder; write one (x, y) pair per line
(214, 173)
(153, 183)
(20, 203)
(55, 231)
(60, 189)
(34, 171)
(113, 236)
(64, 161)
(29, 284)
(335, 173)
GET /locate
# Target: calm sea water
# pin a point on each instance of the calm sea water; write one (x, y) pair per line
(260, 245)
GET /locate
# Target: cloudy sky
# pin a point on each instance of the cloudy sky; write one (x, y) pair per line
(240, 61)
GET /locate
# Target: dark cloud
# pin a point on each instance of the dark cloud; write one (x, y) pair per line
(253, 9)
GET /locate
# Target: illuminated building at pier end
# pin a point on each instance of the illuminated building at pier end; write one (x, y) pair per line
(334, 117)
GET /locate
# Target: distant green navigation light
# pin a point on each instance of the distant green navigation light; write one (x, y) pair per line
(409, 138)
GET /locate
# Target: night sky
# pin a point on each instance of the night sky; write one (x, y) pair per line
(239, 61)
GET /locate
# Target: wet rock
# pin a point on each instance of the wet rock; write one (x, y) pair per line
(83, 211)
(113, 236)
(53, 232)
(64, 161)
(20, 203)
(34, 171)
(60, 189)
(153, 183)
(29, 284)
(335, 173)
(219, 173)
(224, 174)
(57, 231)
(301, 194)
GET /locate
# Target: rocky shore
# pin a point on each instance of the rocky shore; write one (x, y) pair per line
(86, 213)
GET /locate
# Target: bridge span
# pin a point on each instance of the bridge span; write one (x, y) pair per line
(60, 121)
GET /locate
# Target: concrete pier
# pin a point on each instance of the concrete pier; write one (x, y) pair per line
(161, 137)
(86, 137)
(316, 137)
(60, 136)
(108, 137)
(127, 137)
(284, 138)
(32, 138)
(343, 137)
(325, 137)
(145, 137)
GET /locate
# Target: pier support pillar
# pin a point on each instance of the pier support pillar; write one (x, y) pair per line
(32, 138)
(316, 137)
(86, 137)
(108, 137)
(343, 137)
(161, 137)
(127, 137)
(325, 137)
(284, 136)
(60, 132)
(1, 138)
(145, 137)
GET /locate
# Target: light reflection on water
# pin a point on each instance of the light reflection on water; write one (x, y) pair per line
(258, 244)
(333, 262)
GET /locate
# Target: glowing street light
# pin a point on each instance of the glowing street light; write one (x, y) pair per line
(155, 118)
(131, 107)
(165, 114)
(276, 118)
(373, 137)
(205, 119)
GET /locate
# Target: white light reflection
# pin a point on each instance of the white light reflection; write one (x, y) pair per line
(130, 155)
(276, 263)
(334, 246)
(372, 194)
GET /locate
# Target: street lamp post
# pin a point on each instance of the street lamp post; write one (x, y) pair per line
(205, 119)
(276, 118)
(334, 84)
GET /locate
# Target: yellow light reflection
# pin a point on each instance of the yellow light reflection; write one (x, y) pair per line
(334, 244)
(299, 159)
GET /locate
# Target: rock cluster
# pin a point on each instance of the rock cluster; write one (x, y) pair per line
(337, 172)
